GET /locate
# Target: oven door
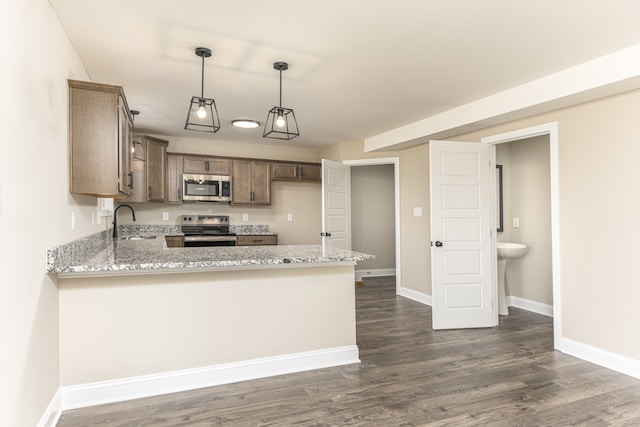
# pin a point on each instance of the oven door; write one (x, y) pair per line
(209, 240)
(201, 187)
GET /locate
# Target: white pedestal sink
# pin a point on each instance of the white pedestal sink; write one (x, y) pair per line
(506, 251)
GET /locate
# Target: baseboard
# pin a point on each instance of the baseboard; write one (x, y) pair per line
(52, 413)
(416, 296)
(82, 395)
(616, 362)
(529, 305)
(375, 273)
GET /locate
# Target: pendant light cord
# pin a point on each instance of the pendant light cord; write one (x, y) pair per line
(202, 80)
(281, 89)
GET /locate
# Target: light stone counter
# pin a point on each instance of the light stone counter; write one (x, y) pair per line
(102, 255)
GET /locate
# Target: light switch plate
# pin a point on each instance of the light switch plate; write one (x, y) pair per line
(245, 217)
(289, 217)
(516, 222)
(417, 211)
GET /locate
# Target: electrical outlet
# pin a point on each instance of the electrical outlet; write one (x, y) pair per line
(516, 222)
(73, 220)
(165, 216)
(245, 217)
(289, 217)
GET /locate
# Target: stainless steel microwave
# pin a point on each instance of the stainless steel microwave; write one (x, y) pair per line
(206, 188)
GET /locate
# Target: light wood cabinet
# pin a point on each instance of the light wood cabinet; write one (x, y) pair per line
(156, 158)
(251, 182)
(148, 166)
(257, 239)
(174, 178)
(284, 171)
(207, 165)
(100, 129)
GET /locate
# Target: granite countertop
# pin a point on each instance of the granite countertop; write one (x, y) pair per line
(102, 255)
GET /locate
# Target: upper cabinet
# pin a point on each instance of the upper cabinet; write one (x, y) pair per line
(286, 171)
(174, 178)
(207, 165)
(251, 182)
(149, 166)
(156, 167)
(100, 132)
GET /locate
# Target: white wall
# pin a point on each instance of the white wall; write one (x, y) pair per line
(373, 215)
(35, 205)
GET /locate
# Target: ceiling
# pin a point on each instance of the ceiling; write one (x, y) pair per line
(357, 68)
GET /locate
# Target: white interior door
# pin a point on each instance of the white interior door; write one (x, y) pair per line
(461, 262)
(336, 205)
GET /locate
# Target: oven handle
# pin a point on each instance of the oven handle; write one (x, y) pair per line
(209, 238)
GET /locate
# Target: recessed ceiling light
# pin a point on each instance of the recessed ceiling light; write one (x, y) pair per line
(245, 123)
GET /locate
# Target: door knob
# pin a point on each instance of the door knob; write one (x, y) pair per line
(438, 243)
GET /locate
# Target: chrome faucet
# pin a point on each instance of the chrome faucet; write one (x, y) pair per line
(115, 219)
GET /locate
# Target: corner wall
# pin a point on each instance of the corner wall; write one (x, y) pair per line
(35, 204)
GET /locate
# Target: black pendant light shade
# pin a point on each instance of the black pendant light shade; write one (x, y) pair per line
(202, 114)
(281, 122)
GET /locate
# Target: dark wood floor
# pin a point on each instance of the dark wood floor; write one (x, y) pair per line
(410, 375)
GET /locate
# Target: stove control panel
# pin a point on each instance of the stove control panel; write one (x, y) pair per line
(204, 220)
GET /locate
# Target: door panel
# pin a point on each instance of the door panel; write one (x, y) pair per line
(460, 223)
(336, 204)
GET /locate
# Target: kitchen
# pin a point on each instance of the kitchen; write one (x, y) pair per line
(40, 57)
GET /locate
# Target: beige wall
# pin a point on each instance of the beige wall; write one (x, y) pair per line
(35, 205)
(126, 326)
(598, 151)
(527, 196)
(373, 215)
(414, 192)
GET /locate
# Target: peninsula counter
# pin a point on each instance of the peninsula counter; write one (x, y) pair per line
(128, 329)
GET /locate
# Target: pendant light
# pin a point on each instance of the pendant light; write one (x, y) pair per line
(202, 114)
(281, 122)
(136, 146)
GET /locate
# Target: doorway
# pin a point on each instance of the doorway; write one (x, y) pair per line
(551, 130)
(395, 162)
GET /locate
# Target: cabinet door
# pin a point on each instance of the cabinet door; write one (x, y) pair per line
(93, 140)
(125, 176)
(257, 239)
(218, 166)
(156, 151)
(207, 165)
(310, 172)
(261, 183)
(174, 178)
(241, 182)
(285, 170)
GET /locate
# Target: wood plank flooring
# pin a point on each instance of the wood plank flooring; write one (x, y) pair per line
(410, 375)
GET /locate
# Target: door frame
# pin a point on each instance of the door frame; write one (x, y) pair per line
(550, 129)
(395, 161)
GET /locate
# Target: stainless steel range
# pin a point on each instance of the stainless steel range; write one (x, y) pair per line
(206, 230)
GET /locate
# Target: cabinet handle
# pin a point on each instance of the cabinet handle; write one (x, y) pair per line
(206, 165)
(131, 180)
(149, 194)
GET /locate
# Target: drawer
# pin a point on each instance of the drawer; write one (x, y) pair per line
(256, 239)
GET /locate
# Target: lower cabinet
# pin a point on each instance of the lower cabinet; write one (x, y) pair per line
(257, 239)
